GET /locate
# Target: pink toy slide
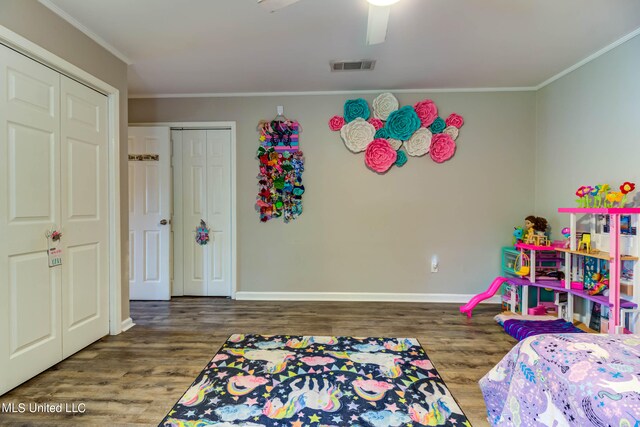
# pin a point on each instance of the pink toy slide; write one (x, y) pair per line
(491, 291)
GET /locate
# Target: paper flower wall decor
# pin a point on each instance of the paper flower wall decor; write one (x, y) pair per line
(394, 143)
(418, 144)
(403, 123)
(380, 156)
(452, 131)
(401, 159)
(438, 125)
(356, 108)
(454, 120)
(384, 129)
(442, 147)
(427, 111)
(336, 123)
(383, 105)
(601, 196)
(357, 134)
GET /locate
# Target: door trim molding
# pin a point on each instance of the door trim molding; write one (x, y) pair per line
(19, 43)
(234, 217)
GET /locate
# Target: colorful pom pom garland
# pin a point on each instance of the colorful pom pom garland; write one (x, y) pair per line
(382, 134)
(281, 166)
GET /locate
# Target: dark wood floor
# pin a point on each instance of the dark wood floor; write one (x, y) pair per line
(136, 377)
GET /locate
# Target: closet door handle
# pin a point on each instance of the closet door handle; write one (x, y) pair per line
(164, 222)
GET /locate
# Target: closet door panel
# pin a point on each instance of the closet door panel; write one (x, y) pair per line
(219, 208)
(85, 227)
(30, 294)
(194, 195)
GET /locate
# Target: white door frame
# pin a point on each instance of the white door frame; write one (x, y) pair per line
(39, 54)
(234, 217)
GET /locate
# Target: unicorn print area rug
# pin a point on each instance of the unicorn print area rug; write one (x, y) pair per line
(296, 381)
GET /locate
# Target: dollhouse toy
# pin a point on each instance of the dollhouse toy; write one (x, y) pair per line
(609, 227)
(621, 248)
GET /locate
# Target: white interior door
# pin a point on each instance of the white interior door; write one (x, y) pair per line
(149, 213)
(206, 195)
(30, 339)
(85, 223)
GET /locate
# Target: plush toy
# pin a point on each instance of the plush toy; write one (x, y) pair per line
(602, 284)
(517, 235)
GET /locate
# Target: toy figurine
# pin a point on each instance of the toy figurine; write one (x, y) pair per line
(517, 235)
(536, 227)
(566, 233)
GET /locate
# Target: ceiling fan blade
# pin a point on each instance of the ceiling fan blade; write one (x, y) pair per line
(274, 5)
(377, 25)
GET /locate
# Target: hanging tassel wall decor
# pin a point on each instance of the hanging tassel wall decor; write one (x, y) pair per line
(281, 166)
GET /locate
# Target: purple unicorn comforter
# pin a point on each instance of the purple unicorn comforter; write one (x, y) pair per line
(566, 380)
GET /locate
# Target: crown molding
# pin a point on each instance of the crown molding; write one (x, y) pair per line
(329, 92)
(589, 58)
(79, 26)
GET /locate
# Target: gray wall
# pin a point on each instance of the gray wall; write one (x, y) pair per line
(37, 23)
(362, 232)
(588, 130)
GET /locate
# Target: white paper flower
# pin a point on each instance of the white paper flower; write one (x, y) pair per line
(418, 144)
(394, 143)
(357, 134)
(384, 104)
(452, 131)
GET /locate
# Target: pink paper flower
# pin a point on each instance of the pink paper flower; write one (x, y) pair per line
(442, 147)
(454, 120)
(427, 112)
(336, 123)
(379, 155)
(377, 123)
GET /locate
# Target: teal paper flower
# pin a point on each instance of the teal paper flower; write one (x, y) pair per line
(382, 133)
(438, 125)
(401, 159)
(355, 108)
(403, 123)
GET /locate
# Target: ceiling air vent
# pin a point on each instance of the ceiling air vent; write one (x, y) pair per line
(360, 65)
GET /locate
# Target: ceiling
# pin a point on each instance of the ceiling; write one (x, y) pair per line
(232, 46)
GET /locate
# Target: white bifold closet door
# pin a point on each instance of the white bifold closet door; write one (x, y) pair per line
(85, 215)
(53, 172)
(205, 195)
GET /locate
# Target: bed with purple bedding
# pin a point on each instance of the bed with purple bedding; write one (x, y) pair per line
(566, 380)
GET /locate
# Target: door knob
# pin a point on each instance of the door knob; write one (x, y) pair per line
(164, 222)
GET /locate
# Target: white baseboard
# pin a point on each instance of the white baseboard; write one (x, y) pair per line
(359, 296)
(127, 324)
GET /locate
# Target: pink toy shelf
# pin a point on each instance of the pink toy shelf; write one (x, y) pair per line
(612, 241)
